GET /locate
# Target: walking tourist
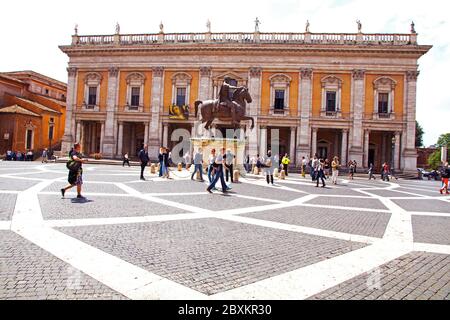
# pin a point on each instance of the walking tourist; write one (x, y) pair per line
(198, 164)
(75, 177)
(320, 174)
(326, 168)
(44, 156)
(314, 167)
(229, 158)
(285, 161)
(218, 167)
(445, 175)
(334, 170)
(126, 160)
(351, 169)
(370, 172)
(165, 163)
(304, 163)
(211, 165)
(268, 167)
(143, 157)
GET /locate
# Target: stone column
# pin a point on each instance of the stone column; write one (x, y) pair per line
(410, 153)
(165, 135)
(113, 84)
(132, 138)
(292, 145)
(83, 138)
(120, 140)
(146, 124)
(254, 88)
(157, 104)
(69, 135)
(102, 136)
(356, 144)
(192, 145)
(93, 136)
(305, 107)
(314, 142)
(366, 148)
(344, 147)
(383, 148)
(78, 132)
(263, 140)
(397, 150)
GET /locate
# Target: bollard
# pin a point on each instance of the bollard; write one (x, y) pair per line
(236, 175)
(152, 168)
(282, 175)
(276, 173)
(180, 167)
(256, 171)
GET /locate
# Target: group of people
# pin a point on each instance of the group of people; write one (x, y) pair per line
(19, 155)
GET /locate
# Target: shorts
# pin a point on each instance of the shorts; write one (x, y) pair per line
(75, 177)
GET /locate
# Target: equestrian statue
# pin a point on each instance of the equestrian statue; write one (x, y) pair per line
(224, 108)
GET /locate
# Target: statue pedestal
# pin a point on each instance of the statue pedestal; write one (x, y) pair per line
(237, 147)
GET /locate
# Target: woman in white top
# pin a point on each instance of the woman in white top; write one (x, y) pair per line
(268, 166)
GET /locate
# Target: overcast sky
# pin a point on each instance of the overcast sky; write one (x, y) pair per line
(32, 30)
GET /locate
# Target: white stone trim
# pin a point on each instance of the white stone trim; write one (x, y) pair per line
(384, 85)
(135, 80)
(279, 81)
(331, 84)
(92, 79)
(181, 80)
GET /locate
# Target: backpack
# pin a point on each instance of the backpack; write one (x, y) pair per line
(73, 165)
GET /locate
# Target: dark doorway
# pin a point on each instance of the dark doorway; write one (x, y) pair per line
(371, 157)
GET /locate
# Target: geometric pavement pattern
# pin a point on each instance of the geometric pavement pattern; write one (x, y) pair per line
(169, 239)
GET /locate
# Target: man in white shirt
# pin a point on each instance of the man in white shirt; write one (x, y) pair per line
(198, 164)
(218, 165)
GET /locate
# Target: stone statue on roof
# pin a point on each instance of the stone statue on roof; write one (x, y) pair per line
(117, 28)
(307, 26)
(413, 30)
(76, 29)
(161, 27)
(208, 26)
(359, 25)
(257, 23)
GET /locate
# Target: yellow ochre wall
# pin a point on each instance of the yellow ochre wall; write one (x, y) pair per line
(345, 92)
(103, 88)
(168, 87)
(398, 93)
(123, 89)
(265, 92)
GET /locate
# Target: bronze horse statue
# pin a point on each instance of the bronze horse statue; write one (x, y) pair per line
(240, 98)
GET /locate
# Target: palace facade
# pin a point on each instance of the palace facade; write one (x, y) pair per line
(351, 95)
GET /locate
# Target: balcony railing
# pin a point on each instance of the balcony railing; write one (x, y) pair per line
(245, 37)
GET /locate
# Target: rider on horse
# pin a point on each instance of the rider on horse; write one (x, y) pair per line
(224, 97)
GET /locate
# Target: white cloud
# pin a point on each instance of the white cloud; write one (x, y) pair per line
(32, 31)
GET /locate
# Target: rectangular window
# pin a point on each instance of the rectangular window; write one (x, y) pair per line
(279, 99)
(29, 142)
(331, 101)
(383, 102)
(181, 96)
(135, 96)
(92, 101)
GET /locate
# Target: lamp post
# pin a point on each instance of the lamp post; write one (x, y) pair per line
(393, 152)
(50, 137)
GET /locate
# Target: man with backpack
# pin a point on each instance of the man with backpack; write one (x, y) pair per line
(74, 165)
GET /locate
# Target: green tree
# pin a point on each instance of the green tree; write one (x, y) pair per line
(434, 160)
(419, 135)
(444, 140)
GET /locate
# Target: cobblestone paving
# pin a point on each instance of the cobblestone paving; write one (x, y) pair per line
(200, 251)
(29, 272)
(415, 276)
(431, 229)
(349, 202)
(372, 224)
(100, 207)
(211, 255)
(7, 203)
(424, 205)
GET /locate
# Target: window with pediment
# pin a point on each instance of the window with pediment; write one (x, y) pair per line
(279, 93)
(331, 96)
(181, 88)
(92, 82)
(384, 88)
(135, 91)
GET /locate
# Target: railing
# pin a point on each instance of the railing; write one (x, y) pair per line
(241, 37)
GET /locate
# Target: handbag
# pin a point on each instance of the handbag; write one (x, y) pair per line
(73, 165)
